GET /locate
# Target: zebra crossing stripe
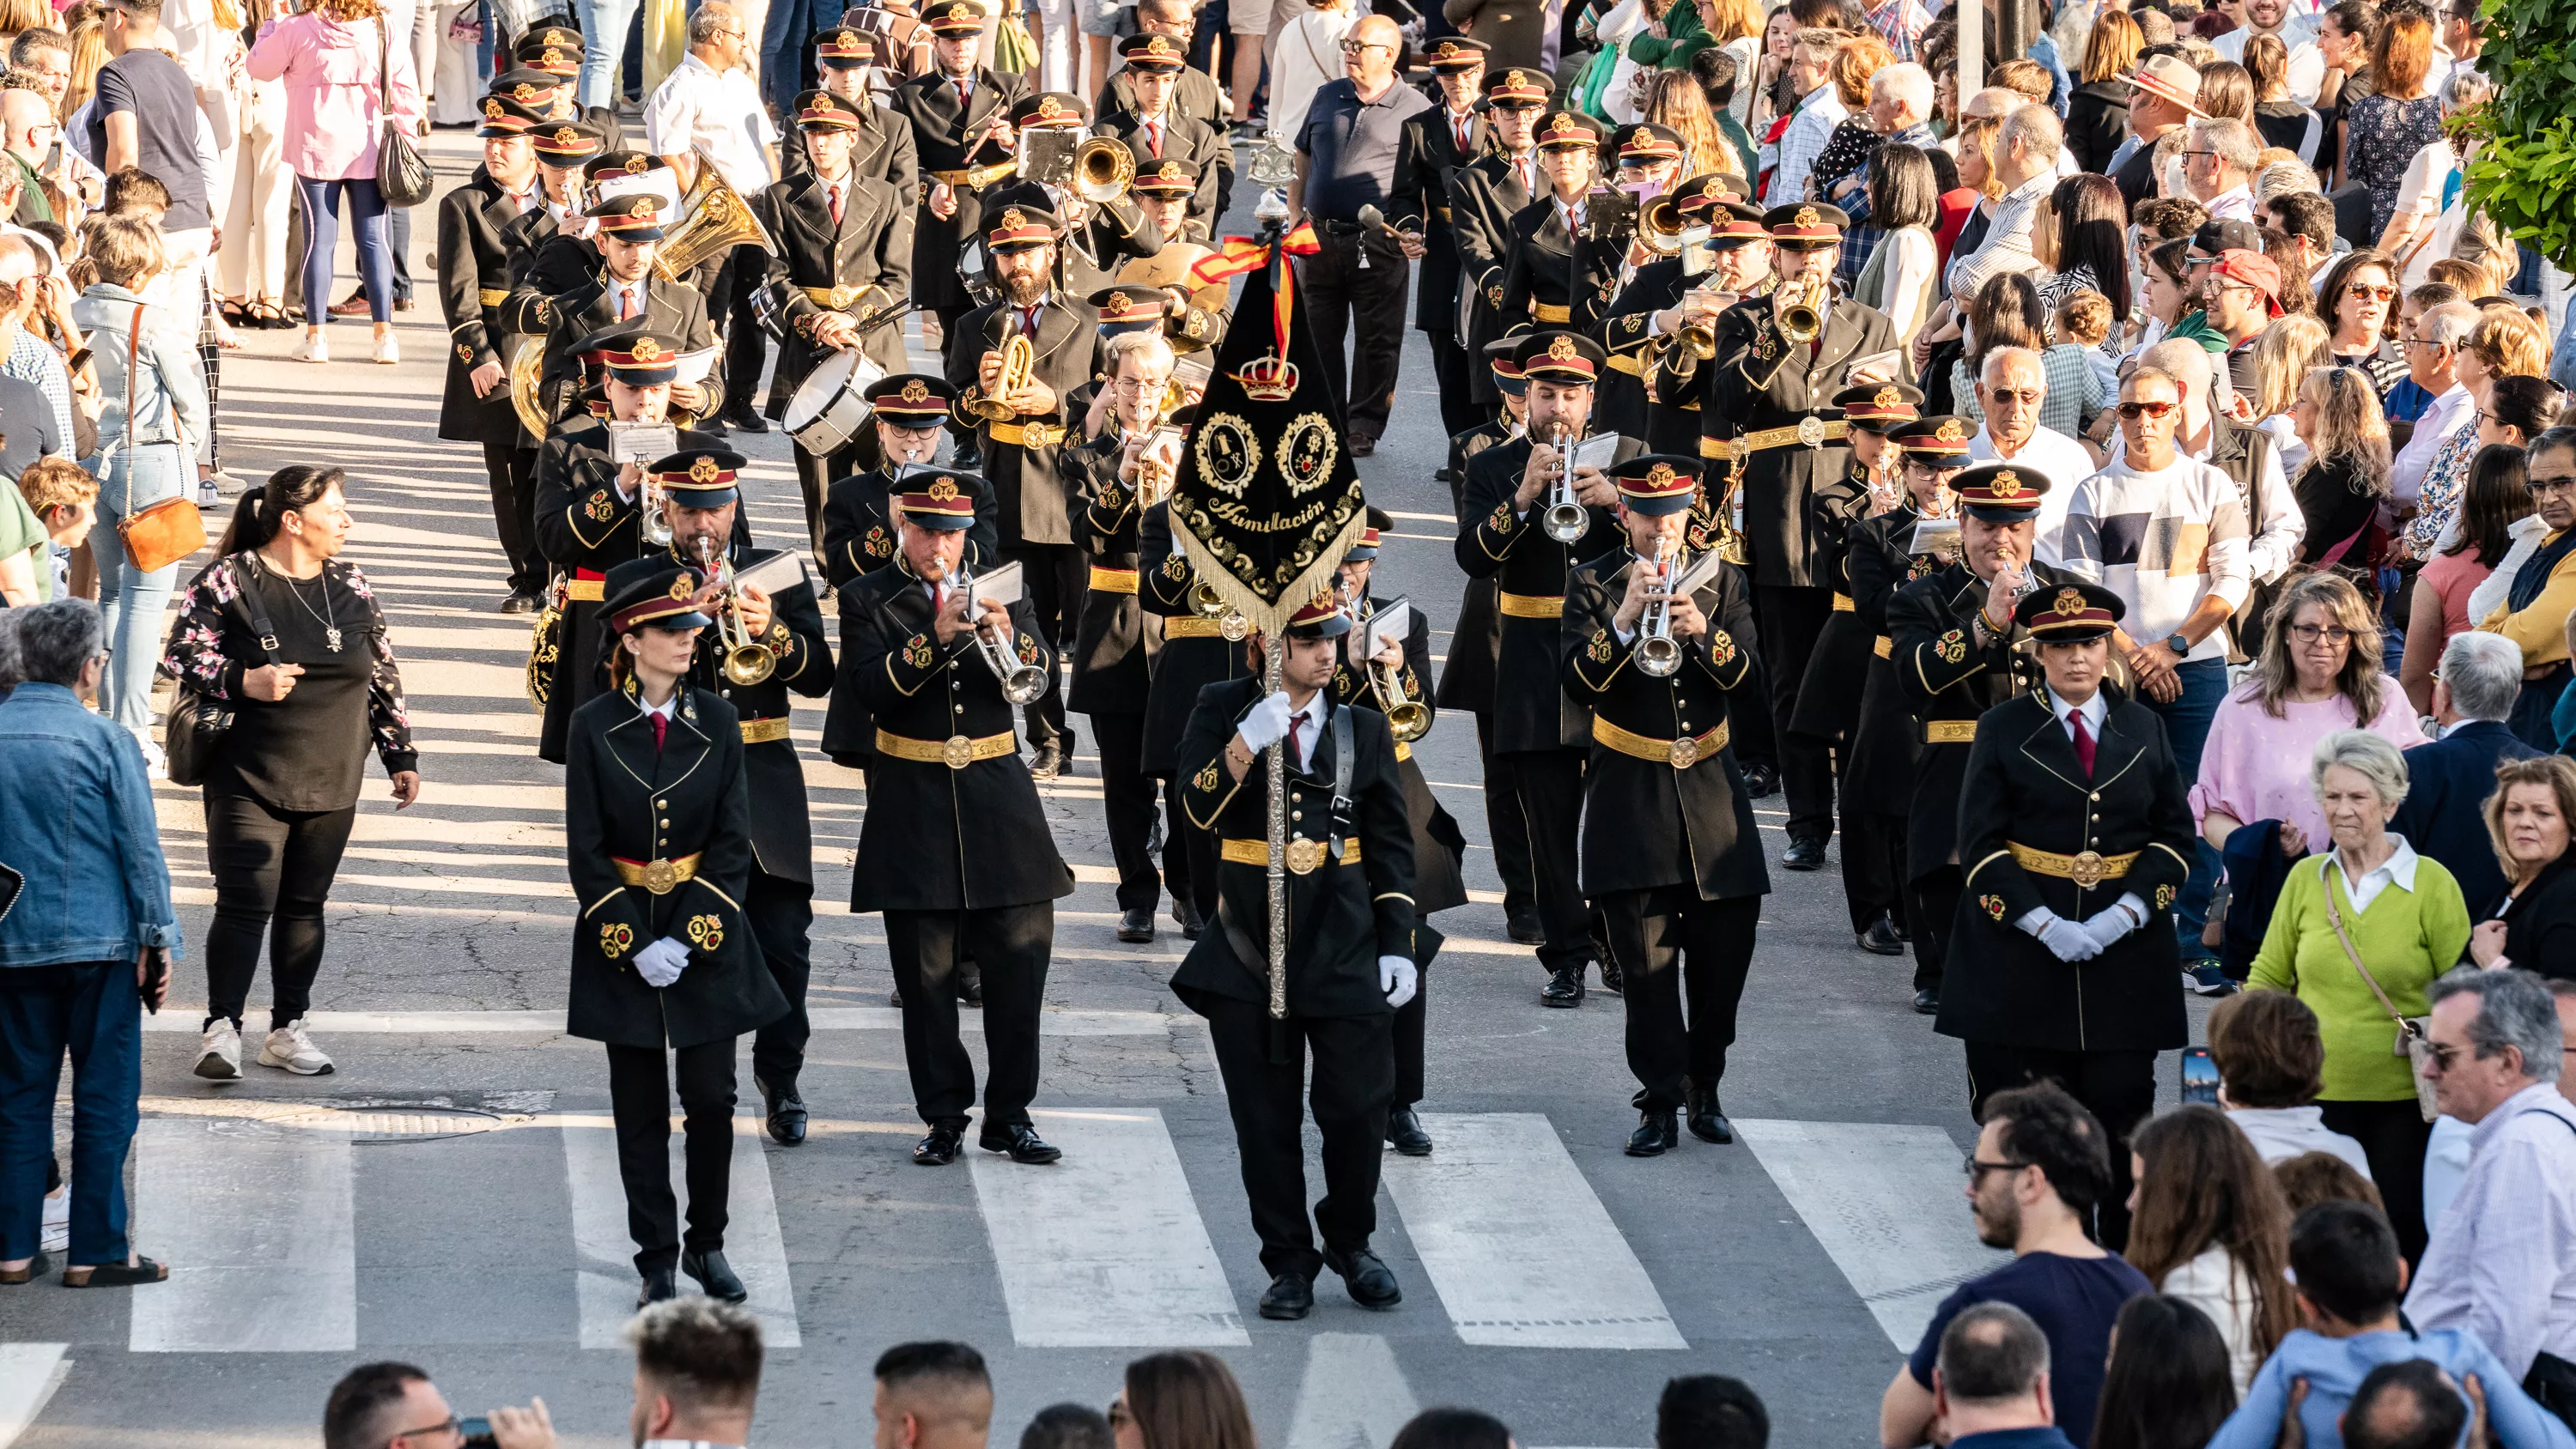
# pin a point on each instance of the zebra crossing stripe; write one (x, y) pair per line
(29, 1374)
(257, 1222)
(606, 1276)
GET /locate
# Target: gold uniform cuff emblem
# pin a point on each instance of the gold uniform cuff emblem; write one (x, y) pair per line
(1994, 907)
(706, 932)
(615, 939)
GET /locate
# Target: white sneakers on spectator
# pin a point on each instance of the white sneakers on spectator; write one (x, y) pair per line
(288, 1047)
(219, 1058)
(386, 351)
(312, 349)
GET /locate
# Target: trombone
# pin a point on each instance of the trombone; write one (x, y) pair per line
(1021, 683)
(1019, 361)
(1566, 519)
(747, 661)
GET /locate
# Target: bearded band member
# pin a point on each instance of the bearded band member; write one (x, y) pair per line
(1670, 851)
(658, 843)
(1350, 959)
(473, 285)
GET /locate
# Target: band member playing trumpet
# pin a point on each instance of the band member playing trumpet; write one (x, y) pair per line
(1390, 682)
(1670, 852)
(1665, 303)
(473, 283)
(955, 850)
(1559, 270)
(1352, 939)
(844, 258)
(961, 131)
(1156, 131)
(627, 289)
(561, 149)
(657, 831)
(763, 647)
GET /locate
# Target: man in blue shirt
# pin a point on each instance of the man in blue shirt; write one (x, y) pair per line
(1990, 1384)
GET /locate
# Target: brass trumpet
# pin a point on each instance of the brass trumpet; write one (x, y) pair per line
(1019, 361)
(1207, 603)
(1151, 475)
(1102, 169)
(747, 661)
(1660, 227)
(1802, 310)
(1700, 339)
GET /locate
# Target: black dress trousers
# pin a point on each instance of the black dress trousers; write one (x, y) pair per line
(1505, 824)
(781, 913)
(1354, 1079)
(513, 476)
(1009, 946)
(639, 1095)
(2117, 1087)
(743, 275)
(1873, 862)
(1458, 409)
(1935, 899)
(1364, 304)
(1790, 619)
(1550, 786)
(1055, 576)
(1127, 798)
(1189, 854)
(1412, 1023)
(1683, 961)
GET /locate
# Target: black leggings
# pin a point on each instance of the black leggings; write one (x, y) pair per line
(268, 864)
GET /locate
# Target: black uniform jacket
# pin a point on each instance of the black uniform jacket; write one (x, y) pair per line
(1484, 196)
(936, 838)
(1760, 380)
(1196, 142)
(1424, 157)
(1552, 277)
(1194, 654)
(782, 840)
(1034, 508)
(473, 283)
(928, 103)
(2025, 788)
(584, 529)
(859, 535)
(675, 309)
(1951, 673)
(883, 152)
(1829, 689)
(1627, 333)
(1885, 738)
(1531, 709)
(1343, 914)
(1438, 844)
(623, 799)
(1467, 680)
(1111, 234)
(1646, 823)
(1196, 97)
(1113, 651)
(1514, 31)
(861, 268)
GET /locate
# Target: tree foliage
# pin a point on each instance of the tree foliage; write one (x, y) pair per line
(2524, 173)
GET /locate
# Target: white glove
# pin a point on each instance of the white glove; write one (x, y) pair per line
(1268, 722)
(2118, 919)
(1397, 978)
(2065, 939)
(661, 963)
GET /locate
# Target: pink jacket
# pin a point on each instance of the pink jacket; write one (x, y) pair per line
(332, 105)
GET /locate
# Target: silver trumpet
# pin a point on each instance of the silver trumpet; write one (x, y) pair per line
(1566, 519)
(657, 525)
(1658, 653)
(1021, 683)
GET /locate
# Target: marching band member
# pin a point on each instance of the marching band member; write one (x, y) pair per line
(1558, 271)
(845, 62)
(1670, 852)
(1660, 296)
(1197, 96)
(1435, 144)
(906, 411)
(626, 289)
(1091, 237)
(781, 636)
(1200, 649)
(947, 788)
(563, 251)
(961, 132)
(1484, 196)
(1020, 430)
(590, 513)
(2076, 838)
(657, 835)
(540, 90)
(1155, 131)
(1114, 476)
(1351, 943)
(561, 148)
(1437, 843)
(473, 283)
(1538, 730)
(1951, 640)
(844, 257)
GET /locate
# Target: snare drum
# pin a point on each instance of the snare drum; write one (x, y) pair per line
(829, 410)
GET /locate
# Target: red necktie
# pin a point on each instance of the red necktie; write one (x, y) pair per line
(1154, 138)
(1521, 172)
(836, 204)
(1296, 751)
(2083, 741)
(965, 92)
(1459, 125)
(1029, 322)
(661, 728)
(625, 304)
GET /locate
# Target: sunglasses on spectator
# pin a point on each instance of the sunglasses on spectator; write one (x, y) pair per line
(1354, 47)
(2029, 395)
(2311, 633)
(2553, 484)
(2132, 411)
(1977, 1170)
(2365, 292)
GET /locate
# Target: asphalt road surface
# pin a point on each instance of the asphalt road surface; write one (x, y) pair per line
(449, 1195)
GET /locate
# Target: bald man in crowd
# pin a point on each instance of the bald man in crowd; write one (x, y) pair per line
(932, 1395)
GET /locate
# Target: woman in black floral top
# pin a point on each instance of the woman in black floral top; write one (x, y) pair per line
(282, 792)
(2382, 132)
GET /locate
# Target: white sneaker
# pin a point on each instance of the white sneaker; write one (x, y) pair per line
(386, 351)
(56, 1235)
(219, 1059)
(313, 348)
(289, 1048)
(208, 495)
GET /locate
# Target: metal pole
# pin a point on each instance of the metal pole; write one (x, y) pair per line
(1972, 48)
(1278, 649)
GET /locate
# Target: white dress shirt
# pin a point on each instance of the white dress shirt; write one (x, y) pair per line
(2442, 417)
(2054, 456)
(663, 709)
(695, 108)
(1818, 113)
(2397, 870)
(2234, 204)
(2502, 1261)
(638, 292)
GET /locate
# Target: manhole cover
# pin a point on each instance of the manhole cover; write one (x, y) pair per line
(397, 1125)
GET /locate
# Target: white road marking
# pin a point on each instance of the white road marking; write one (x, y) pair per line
(607, 1279)
(257, 1224)
(1354, 1396)
(1519, 1247)
(29, 1374)
(1884, 1202)
(183, 1021)
(1105, 1249)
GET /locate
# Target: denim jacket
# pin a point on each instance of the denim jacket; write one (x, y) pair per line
(76, 819)
(170, 392)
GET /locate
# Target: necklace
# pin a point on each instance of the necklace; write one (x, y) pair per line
(324, 616)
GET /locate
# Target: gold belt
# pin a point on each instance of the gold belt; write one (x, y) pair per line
(494, 296)
(837, 298)
(1811, 431)
(763, 731)
(1112, 581)
(588, 591)
(1627, 363)
(1883, 647)
(1027, 435)
(1546, 313)
(1441, 212)
(1681, 754)
(1303, 855)
(1712, 447)
(2087, 870)
(660, 877)
(956, 751)
(1843, 604)
(1191, 626)
(975, 176)
(1949, 731)
(1534, 606)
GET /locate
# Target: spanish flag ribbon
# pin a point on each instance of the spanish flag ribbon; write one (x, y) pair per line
(1233, 256)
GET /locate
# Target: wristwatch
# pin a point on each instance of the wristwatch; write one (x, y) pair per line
(2178, 644)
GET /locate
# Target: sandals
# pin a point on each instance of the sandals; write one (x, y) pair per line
(267, 314)
(11, 1277)
(118, 1275)
(235, 312)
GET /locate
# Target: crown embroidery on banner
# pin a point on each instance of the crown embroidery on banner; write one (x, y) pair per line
(2007, 484)
(704, 471)
(914, 391)
(1268, 378)
(1951, 432)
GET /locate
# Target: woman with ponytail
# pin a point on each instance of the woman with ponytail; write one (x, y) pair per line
(282, 791)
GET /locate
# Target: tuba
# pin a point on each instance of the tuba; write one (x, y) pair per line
(714, 219)
(1102, 168)
(1019, 360)
(527, 369)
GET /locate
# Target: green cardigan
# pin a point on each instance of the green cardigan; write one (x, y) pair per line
(2408, 937)
(1686, 39)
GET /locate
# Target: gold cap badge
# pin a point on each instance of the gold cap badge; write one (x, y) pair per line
(915, 391)
(704, 471)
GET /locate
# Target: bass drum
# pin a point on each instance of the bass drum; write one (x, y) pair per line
(830, 408)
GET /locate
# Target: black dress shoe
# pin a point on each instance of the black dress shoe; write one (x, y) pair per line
(1656, 1133)
(1707, 1123)
(744, 420)
(1565, 988)
(519, 604)
(1760, 780)
(659, 1287)
(1927, 1002)
(894, 998)
(1804, 855)
(1136, 925)
(786, 1112)
(939, 1148)
(1022, 1142)
(1611, 980)
(1186, 915)
(1404, 1133)
(970, 990)
(715, 1275)
(1371, 1283)
(1289, 1296)
(1525, 930)
(1047, 763)
(1881, 939)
